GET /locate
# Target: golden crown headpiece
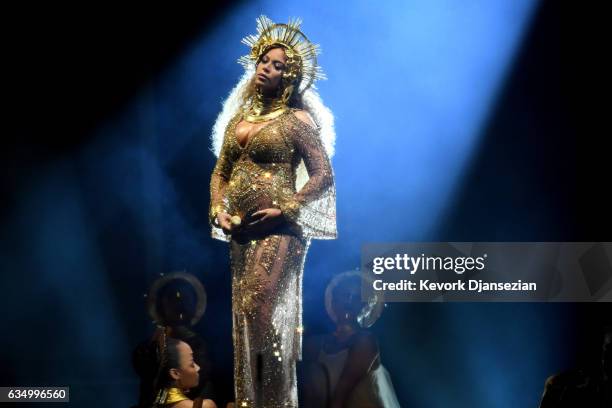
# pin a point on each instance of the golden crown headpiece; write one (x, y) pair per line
(302, 69)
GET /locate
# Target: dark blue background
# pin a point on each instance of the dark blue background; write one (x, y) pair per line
(90, 217)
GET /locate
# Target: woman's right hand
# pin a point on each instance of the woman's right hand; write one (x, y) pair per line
(225, 222)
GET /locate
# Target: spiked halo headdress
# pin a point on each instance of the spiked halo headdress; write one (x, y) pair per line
(313, 104)
(302, 69)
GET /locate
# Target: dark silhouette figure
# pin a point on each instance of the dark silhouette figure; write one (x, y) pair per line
(583, 388)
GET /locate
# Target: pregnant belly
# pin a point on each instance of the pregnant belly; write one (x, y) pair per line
(245, 203)
(252, 188)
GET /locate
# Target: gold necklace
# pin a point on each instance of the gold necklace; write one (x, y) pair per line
(171, 395)
(264, 109)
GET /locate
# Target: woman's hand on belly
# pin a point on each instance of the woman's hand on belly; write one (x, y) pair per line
(265, 220)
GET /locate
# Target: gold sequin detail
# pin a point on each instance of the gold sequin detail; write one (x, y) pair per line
(267, 270)
(262, 174)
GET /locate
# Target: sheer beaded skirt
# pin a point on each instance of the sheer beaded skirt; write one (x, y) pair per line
(267, 312)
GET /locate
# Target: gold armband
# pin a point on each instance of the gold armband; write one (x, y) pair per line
(214, 211)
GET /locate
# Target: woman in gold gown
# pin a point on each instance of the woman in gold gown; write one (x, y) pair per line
(272, 191)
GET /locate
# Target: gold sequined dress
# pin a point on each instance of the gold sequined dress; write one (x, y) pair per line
(267, 269)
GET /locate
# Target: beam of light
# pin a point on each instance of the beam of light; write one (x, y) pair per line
(410, 83)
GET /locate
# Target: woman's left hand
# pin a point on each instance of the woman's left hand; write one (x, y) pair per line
(264, 220)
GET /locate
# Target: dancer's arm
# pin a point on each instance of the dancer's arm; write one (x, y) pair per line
(197, 403)
(361, 357)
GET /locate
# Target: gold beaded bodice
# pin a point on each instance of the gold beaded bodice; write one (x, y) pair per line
(262, 174)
